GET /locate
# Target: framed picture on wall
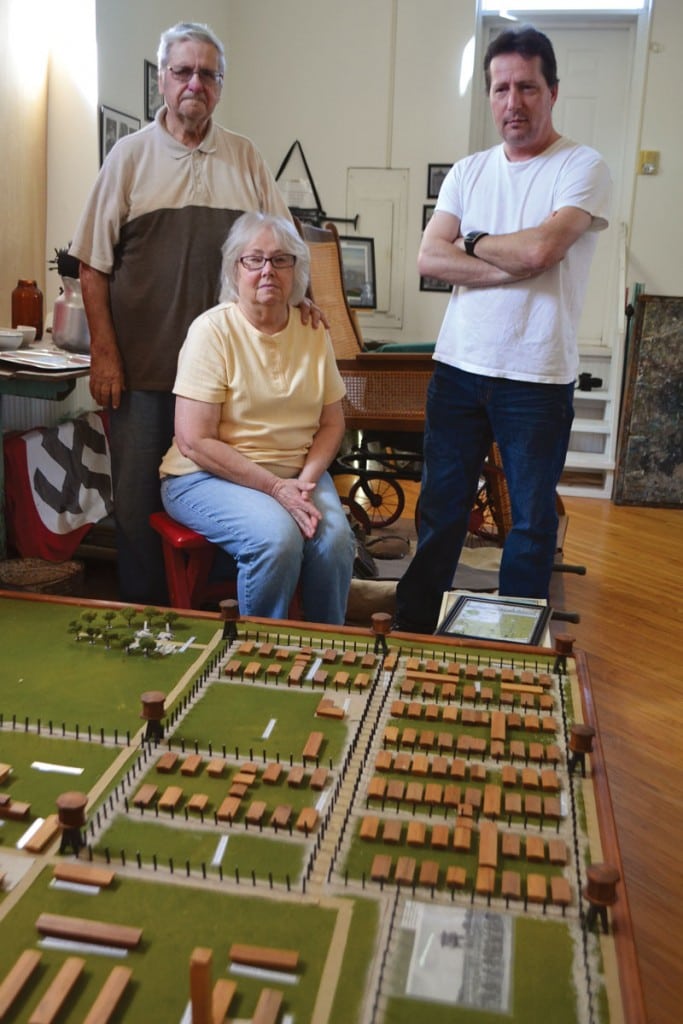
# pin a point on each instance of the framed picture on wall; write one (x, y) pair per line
(114, 124)
(358, 265)
(435, 175)
(153, 99)
(427, 211)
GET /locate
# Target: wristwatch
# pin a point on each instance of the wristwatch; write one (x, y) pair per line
(471, 239)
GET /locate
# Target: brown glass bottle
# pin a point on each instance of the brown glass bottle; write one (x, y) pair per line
(27, 306)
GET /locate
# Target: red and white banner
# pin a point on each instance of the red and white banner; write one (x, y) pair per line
(57, 486)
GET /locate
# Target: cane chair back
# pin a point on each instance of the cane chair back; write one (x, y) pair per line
(385, 391)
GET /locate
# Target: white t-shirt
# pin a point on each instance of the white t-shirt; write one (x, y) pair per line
(527, 330)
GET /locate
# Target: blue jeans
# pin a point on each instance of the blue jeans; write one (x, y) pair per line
(465, 412)
(140, 434)
(267, 545)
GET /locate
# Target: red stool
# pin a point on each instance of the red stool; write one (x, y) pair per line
(188, 558)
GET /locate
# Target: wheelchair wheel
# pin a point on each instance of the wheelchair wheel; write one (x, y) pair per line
(382, 499)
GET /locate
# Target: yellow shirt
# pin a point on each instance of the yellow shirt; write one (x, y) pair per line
(271, 388)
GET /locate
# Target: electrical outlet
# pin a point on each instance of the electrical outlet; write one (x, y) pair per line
(648, 162)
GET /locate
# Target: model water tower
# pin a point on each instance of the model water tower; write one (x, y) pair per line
(153, 713)
(580, 743)
(564, 648)
(71, 815)
(601, 892)
(230, 613)
(381, 626)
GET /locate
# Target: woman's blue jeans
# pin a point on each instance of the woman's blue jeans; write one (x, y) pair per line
(531, 424)
(267, 545)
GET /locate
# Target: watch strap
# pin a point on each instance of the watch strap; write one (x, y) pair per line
(471, 239)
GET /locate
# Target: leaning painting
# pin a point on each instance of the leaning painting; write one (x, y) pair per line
(650, 459)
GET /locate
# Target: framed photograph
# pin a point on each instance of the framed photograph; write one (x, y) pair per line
(113, 126)
(435, 175)
(358, 266)
(153, 99)
(500, 619)
(433, 284)
(427, 212)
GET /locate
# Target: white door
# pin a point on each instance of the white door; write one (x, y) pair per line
(379, 197)
(594, 68)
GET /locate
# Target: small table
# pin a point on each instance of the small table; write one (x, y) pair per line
(54, 385)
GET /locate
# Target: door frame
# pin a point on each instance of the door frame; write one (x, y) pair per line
(639, 21)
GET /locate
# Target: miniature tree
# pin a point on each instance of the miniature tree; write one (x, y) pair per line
(150, 614)
(171, 619)
(75, 628)
(147, 645)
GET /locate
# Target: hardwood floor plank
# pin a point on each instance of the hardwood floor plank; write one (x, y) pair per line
(631, 607)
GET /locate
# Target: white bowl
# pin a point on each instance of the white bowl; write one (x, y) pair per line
(28, 333)
(10, 340)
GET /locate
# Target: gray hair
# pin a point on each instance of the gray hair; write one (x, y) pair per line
(183, 31)
(286, 237)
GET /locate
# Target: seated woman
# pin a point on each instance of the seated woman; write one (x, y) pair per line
(258, 421)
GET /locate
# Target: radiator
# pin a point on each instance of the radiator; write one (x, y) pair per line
(20, 414)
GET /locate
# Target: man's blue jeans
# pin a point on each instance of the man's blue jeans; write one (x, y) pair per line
(465, 412)
(267, 545)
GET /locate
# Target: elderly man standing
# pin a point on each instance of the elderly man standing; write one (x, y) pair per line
(149, 242)
(514, 232)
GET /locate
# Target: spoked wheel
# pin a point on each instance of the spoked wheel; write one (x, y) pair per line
(382, 499)
(483, 522)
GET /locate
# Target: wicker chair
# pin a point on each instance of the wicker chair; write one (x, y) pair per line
(386, 391)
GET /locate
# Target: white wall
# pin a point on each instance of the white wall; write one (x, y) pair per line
(72, 153)
(657, 220)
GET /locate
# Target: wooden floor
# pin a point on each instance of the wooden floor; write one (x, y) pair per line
(631, 608)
